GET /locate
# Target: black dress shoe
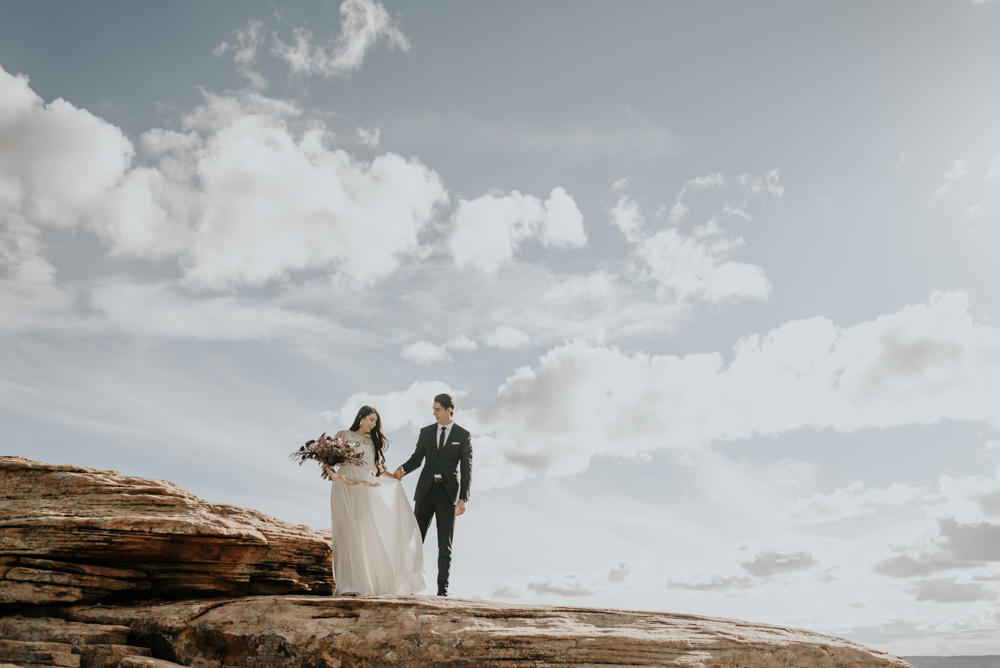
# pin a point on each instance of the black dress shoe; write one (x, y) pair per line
(442, 593)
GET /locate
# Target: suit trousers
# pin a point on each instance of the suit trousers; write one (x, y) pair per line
(438, 503)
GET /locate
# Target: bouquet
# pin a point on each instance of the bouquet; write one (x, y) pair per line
(329, 452)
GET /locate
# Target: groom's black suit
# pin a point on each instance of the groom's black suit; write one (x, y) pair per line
(438, 498)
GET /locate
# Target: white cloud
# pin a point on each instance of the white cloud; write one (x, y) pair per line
(510, 338)
(713, 180)
(917, 366)
(250, 39)
(407, 409)
(241, 197)
(424, 352)
(849, 501)
(273, 202)
(697, 266)
(369, 138)
(362, 24)
(993, 169)
(488, 230)
(461, 342)
(59, 164)
(29, 295)
(625, 215)
(958, 170)
(974, 212)
(756, 186)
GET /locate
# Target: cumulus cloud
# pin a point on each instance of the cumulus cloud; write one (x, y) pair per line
(424, 352)
(363, 23)
(917, 366)
(461, 342)
(684, 267)
(695, 265)
(849, 501)
(60, 165)
(488, 230)
(924, 363)
(510, 338)
(248, 193)
(405, 409)
(367, 137)
(272, 201)
(625, 214)
(566, 584)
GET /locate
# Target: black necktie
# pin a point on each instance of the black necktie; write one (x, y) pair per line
(441, 440)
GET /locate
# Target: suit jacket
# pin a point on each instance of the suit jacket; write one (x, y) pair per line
(457, 451)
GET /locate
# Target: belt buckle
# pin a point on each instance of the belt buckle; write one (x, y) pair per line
(437, 477)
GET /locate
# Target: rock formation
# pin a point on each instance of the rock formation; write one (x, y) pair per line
(418, 631)
(87, 557)
(71, 534)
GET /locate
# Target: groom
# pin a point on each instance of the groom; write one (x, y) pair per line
(439, 491)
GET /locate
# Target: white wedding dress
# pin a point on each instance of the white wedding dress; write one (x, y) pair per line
(376, 542)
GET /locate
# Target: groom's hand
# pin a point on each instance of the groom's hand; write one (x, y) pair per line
(398, 475)
(459, 507)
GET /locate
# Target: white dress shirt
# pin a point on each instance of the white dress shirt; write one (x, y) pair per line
(447, 433)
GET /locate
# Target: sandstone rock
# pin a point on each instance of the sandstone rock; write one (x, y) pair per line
(39, 653)
(414, 631)
(144, 662)
(106, 656)
(48, 629)
(21, 592)
(71, 534)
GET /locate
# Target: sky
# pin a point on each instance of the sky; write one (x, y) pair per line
(713, 283)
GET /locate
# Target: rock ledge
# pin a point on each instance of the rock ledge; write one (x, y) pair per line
(419, 631)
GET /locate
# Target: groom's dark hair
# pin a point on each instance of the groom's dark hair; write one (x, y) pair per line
(445, 400)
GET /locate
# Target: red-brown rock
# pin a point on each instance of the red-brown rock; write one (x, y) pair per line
(416, 631)
(71, 534)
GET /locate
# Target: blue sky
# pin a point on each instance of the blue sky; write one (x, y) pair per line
(712, 282)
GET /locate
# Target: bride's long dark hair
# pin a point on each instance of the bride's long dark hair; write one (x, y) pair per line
(378, 438)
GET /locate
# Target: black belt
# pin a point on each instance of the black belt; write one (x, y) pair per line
(438, 478)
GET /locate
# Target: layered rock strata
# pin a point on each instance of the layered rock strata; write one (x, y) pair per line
(28, 641)
(70, 534)
(415, 631)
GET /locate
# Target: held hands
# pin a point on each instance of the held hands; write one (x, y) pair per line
(459, 508)
(398, 475)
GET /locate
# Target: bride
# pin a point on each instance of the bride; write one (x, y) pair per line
(377, 548)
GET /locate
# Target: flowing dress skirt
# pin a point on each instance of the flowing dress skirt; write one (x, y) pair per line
(376, 542)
